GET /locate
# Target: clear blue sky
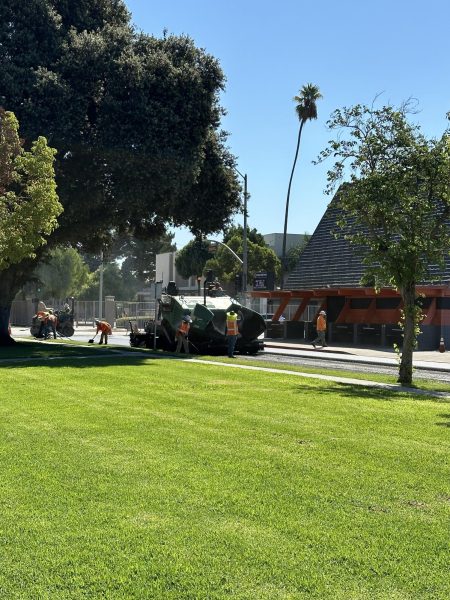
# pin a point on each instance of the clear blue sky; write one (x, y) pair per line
(352, 49)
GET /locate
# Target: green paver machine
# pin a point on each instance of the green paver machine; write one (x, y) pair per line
(207, 334)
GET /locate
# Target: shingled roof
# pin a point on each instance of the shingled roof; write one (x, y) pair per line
(330, 261)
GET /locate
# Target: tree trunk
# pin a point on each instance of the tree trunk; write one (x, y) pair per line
(11, 280)
(405, 373)
(286, 213)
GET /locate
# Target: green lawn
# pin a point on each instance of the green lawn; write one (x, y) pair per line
(128, 477)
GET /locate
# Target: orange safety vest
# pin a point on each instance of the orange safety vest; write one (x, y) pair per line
(321, 323)
(104, 327)
(232, 326)
(184, 328)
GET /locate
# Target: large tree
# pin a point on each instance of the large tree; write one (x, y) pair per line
(29, 204)
(192, 258)
(62, 273)
(395, 203)
(196, 258)
(259, 256)
(138, 255)
(135, 120)
(306, 109)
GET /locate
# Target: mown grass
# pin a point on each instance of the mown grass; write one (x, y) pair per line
(419, 382)
(136, 478)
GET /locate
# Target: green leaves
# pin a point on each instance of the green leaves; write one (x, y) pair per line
(135, 119)
(395, 204)
(192, 258)
(29, 205)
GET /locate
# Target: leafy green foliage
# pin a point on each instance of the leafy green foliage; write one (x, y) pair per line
(29, 204)
(135, 120)
(196, 258)
(192, 258)
(63, 273)
(117, 282)
(396, 202)
(259, 256)
(293, 254)
(306, 102)
(139, 255)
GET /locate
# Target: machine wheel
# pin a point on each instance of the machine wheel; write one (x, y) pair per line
(66, 330)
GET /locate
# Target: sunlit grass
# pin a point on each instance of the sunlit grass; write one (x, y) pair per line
(145, 478)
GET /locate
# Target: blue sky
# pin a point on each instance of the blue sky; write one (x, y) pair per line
(352, 49)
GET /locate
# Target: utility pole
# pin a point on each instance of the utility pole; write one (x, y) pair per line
(244, 242)
(244, 237)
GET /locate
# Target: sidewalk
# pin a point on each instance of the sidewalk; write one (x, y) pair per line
(424, 359)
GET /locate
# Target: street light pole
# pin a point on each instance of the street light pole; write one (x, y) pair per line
(244, 237)
(240, 261)
(244, 242)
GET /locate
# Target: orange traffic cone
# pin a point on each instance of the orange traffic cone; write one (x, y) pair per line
(442, 345)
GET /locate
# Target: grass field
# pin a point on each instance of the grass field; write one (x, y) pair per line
(126, 477)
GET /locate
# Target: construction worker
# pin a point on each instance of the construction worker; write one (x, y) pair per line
(232, 332)
(321, 326)
(105, 328)
(48, 321)
(181, 336)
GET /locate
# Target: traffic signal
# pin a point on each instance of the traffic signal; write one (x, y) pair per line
(238, 282)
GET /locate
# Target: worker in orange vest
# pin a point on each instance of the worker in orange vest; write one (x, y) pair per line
(48, 320)
(321, 326)
(105, 328)
(232, 332)
(181, 336)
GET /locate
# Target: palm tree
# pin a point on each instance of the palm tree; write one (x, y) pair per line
(306, 110)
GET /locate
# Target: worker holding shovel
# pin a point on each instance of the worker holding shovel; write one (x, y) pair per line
(105, 329)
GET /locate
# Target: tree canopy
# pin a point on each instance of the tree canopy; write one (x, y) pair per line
(192, 258)
(139, 255)
(395, 203)
(135, 121)
(196, 258)
(63, 273)
(259, 256)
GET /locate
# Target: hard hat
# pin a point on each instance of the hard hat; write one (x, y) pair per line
(187, 319)
(322, 312)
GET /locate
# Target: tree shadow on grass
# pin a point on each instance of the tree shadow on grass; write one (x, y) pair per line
(81, 357)
(362, 392)
(445, 423)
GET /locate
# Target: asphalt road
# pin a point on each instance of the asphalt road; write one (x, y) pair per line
(357, 367)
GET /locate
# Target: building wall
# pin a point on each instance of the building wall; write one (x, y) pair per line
(275, 241)
(166, 271)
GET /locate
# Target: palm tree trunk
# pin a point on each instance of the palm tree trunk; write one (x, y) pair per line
(283, 255)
